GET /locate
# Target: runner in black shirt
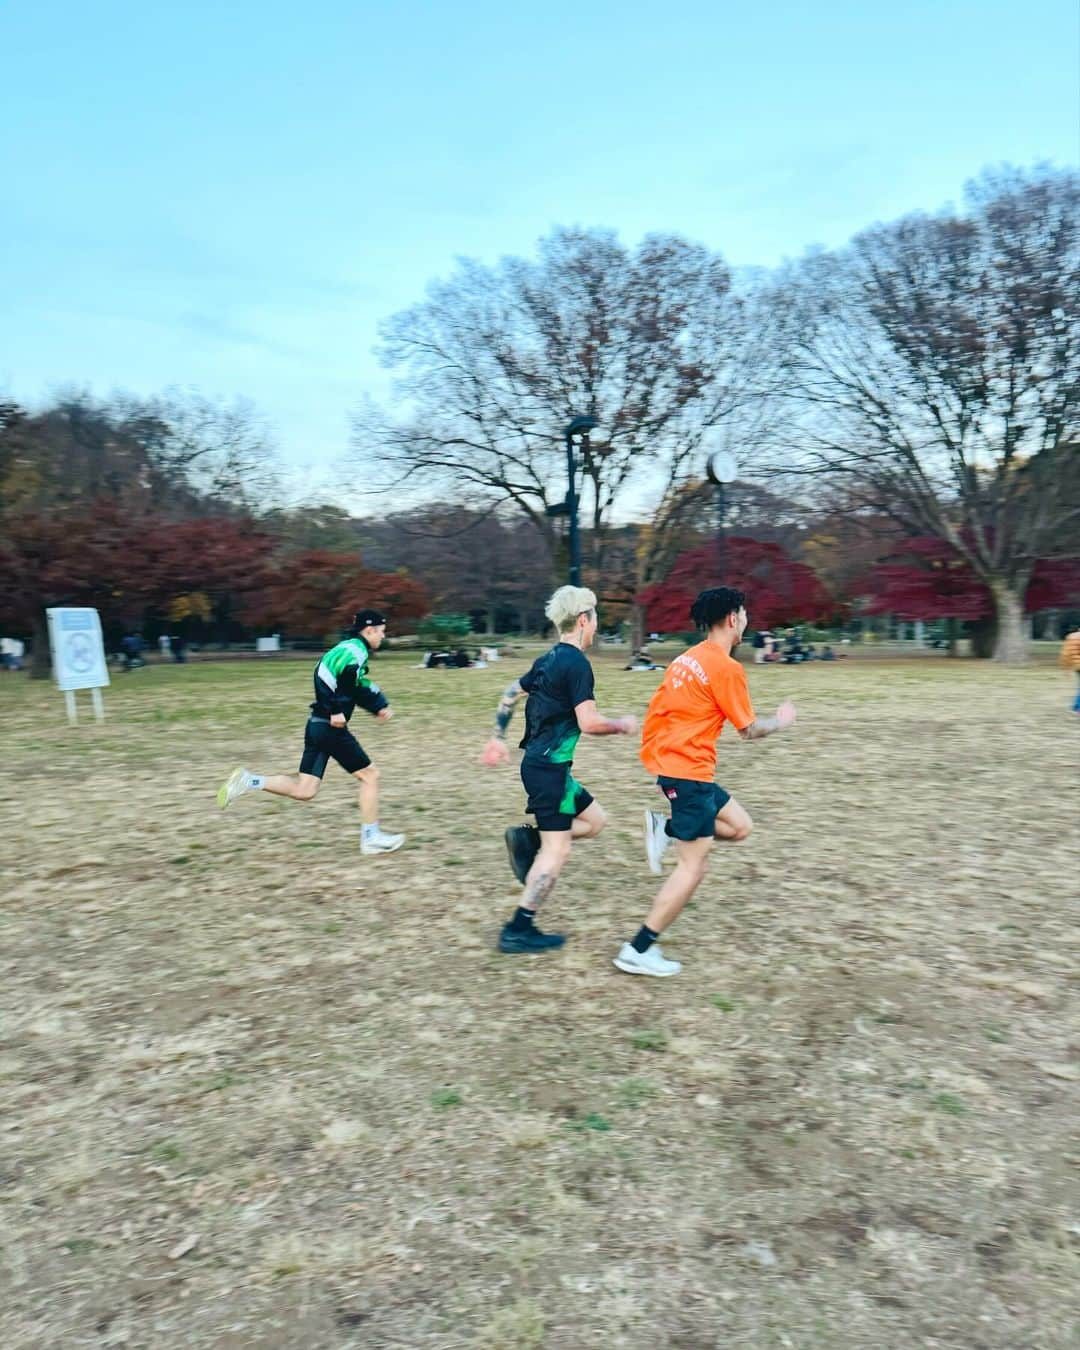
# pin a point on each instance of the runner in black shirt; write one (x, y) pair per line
(560, 707)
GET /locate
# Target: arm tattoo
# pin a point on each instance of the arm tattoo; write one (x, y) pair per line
(760, 728)
(505, 711)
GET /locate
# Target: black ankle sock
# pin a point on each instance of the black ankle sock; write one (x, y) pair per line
(644, 940)
(522, 920)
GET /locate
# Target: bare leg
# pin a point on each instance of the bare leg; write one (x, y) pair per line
(732, 824)
(368, 781)
(589, 824)
(549, 862)
(681, 884)
(301, 787)
(554, 851)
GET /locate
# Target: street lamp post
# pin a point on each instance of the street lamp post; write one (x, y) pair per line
(579, 426)
(721, 468)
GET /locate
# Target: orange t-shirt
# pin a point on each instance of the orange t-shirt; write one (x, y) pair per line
(700, 691)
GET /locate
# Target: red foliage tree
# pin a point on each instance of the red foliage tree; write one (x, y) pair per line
(120, 562)
(927, 579)
(778, 589)
(316, 593)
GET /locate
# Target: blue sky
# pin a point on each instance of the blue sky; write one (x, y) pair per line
(232, 196)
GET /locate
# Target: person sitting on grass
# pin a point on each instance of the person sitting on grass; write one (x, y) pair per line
(341, 682)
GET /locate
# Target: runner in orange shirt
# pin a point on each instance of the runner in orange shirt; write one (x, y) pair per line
(701, 690)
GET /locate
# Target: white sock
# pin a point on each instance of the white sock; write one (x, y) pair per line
(255, 781)
(369, 831)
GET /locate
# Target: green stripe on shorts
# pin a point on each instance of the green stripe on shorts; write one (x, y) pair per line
(573, 787)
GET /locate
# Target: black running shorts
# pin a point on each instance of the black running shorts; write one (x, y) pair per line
(694, 807)
(322, 743)
(555, 795)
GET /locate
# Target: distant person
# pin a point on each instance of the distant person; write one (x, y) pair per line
(703, 688)
(641, 660)
(341, 683)
(164, 643)
(11, 653)
(759, 647)
(131, 646)
(561, 707)
(179, 648)
(827, 653)
(1070, 660)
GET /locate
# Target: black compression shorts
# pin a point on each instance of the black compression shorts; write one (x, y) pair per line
(322, 743)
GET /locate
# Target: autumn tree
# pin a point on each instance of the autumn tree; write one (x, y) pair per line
(935, 369)
(489, 564)
(778, 589)
(652, 342)
(925, 578)
(120, 562)
(315, 594)
(90, 491)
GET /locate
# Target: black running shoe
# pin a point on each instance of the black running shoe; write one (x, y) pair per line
(529, 940)
(522, 844)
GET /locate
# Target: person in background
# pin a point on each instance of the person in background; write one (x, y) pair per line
(1070, 660)
(342, 683)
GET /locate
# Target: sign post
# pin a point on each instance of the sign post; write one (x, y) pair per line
(78, 657)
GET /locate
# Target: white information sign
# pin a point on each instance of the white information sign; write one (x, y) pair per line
(78, 651)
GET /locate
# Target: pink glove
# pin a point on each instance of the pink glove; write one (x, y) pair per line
(494, 753)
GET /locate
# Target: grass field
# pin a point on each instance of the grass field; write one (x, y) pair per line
(258, 1090)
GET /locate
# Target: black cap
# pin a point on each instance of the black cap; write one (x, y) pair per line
(367, 618)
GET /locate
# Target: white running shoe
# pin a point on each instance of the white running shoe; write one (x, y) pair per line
(657, 840)
(237, 783)
(381, 843)
(652, 962)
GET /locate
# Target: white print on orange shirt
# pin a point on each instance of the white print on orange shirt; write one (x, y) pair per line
(693, 666)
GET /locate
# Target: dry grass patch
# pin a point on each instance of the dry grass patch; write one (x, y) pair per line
(259, 1090)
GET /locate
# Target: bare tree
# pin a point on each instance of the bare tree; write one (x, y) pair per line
(936, 367)
(218, 453)
(486, 563)
(654, 343)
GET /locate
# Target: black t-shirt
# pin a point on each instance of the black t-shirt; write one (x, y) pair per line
(560, 680)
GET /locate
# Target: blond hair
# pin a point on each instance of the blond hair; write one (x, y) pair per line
(566, 604)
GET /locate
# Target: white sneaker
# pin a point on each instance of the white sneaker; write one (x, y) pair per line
(652, 962)
(657, 840)
(237, 783)
(381, 843)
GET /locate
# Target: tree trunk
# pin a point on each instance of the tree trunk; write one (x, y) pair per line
(983, 637)
(637, 627)
(1011, 647)
(40, 658)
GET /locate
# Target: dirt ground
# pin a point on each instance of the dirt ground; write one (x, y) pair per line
(259, 1090)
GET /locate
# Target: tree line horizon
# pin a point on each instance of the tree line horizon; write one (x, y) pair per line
(903, 411)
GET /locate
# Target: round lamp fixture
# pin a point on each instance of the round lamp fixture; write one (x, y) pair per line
(721, 467)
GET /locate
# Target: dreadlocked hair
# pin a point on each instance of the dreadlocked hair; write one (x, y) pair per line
(713, 606)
